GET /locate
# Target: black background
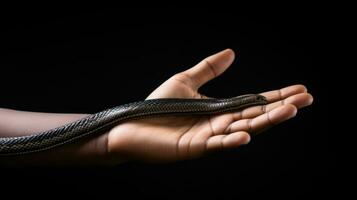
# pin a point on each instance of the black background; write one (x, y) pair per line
(86, 60)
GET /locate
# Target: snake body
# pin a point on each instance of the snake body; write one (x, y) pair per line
(97, 123)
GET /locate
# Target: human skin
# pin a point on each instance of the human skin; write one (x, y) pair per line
(161, 139)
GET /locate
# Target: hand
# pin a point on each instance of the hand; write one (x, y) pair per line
(177, 138)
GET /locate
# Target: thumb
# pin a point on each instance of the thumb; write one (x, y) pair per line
(210, 67)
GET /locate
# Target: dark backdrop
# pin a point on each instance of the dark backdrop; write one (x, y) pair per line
(85, 60)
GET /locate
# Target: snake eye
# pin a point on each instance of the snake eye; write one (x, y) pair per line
(261, 98)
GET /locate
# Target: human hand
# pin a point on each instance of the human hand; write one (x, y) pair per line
(173, 138)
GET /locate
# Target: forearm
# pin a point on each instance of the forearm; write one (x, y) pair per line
(20, 123)
(90, 151)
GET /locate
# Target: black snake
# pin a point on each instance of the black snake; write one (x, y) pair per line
(97, 123)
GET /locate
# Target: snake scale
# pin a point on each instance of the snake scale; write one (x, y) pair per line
(98, 122)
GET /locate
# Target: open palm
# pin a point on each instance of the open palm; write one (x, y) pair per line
(177, 138)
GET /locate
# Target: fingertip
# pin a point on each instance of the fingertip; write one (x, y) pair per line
(227, 53)
(236, 139)
(306, 99)
(310, 99)
(291, 110)
(300, 100)
(300, 87)
(217, 63)
(230, 52)
(245, 138)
